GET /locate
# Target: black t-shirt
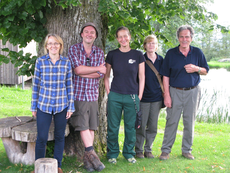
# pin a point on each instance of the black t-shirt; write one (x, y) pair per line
(125, 67)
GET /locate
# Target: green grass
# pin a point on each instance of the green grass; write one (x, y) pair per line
(14, 102)
(216, 64)
(211, 146)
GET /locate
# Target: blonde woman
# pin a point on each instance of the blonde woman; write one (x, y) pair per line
(52, 96)
(151, 101)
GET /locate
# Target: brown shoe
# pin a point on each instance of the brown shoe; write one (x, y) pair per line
(148, 155)
(188, 156)
(164, 156)
(94, 160)
(87, 165)
(140, 155)
(59, 170)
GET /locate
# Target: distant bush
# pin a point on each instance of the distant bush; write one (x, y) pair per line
(216, 64)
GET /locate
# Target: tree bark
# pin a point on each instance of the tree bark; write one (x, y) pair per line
(67, 23)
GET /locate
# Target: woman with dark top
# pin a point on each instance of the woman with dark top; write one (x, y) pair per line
(52, 96)
(151, 101)
(127, 65)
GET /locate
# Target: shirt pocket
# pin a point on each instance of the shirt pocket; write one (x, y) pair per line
(62, 73)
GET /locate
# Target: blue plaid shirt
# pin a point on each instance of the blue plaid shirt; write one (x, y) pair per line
(52, 86)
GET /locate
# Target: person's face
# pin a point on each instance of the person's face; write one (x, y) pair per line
(185, 38)
(123, 38)
(89, 35)
(151, 46)
(53, 46)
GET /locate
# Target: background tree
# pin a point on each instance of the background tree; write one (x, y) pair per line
(24, 20)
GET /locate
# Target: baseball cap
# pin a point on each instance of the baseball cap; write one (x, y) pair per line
(89, 24)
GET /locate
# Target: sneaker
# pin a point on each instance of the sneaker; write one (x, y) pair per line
(164, 156)
(132, 160)
(140, 155)
(188, 156)
(112, 160)
(148, 155)
(87, 164)
(94, 160)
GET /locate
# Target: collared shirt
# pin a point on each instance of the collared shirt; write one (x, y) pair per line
(173, 67)
(85, 89)
(52, 86)
(152, 91)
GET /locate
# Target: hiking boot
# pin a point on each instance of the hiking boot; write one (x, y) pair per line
(164, 156)
(59, 170)
(188, 156)
(112, 160)
(132, 160)
(148, 155)
(87, 165)
(140, 155)
(94, 160)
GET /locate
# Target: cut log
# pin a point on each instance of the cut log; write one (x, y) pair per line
(46, 165)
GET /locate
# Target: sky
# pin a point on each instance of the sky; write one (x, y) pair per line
(221, 8)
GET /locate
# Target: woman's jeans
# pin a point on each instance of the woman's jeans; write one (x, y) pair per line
(43, 125)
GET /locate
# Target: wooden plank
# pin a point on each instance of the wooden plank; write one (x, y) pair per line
(6, 124)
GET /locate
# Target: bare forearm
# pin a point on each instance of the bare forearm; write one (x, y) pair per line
(141, 88)
(201, 70)
(85, 70)
(92, 75)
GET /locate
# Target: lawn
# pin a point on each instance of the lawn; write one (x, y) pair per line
(211, 145)
(217, 64)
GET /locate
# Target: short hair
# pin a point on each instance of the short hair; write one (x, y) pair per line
(89, 24)
(149, 38)
(122, 28)
(58, 39)
(185, 27)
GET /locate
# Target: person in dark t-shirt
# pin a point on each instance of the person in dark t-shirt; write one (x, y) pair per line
(128, 66)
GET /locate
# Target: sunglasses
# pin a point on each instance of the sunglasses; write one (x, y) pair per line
(87, 61)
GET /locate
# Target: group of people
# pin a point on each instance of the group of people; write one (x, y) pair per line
(66, 88)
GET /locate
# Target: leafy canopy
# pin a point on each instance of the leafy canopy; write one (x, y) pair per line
(24, 20)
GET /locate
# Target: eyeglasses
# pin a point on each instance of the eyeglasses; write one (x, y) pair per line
(53, 44)
(87, 61)
(149, 43)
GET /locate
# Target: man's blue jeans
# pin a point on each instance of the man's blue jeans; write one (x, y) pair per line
(43, 125)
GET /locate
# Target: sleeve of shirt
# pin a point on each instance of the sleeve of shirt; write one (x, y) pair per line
(109, 58)
(141, 58)
(202, 62)
(36, 86)
(69, 89)
(101, 61)
(165, 70)
(73, 57)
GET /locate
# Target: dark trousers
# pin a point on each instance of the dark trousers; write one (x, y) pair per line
(43, 125)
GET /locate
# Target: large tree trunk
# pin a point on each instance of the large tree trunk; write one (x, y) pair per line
(67, 24)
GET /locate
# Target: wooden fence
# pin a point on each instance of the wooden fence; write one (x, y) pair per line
(8, 71)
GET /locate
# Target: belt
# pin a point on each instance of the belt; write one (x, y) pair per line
(185, 88)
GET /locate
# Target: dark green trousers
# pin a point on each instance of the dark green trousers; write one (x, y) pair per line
(116, 104)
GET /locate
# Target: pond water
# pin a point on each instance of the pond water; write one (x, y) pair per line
(215, 94)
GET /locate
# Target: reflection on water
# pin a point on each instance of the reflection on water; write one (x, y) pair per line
(215, 94)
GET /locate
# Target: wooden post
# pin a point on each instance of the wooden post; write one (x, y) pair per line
(46, 165)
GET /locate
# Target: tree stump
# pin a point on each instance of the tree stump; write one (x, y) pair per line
(46, 165)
